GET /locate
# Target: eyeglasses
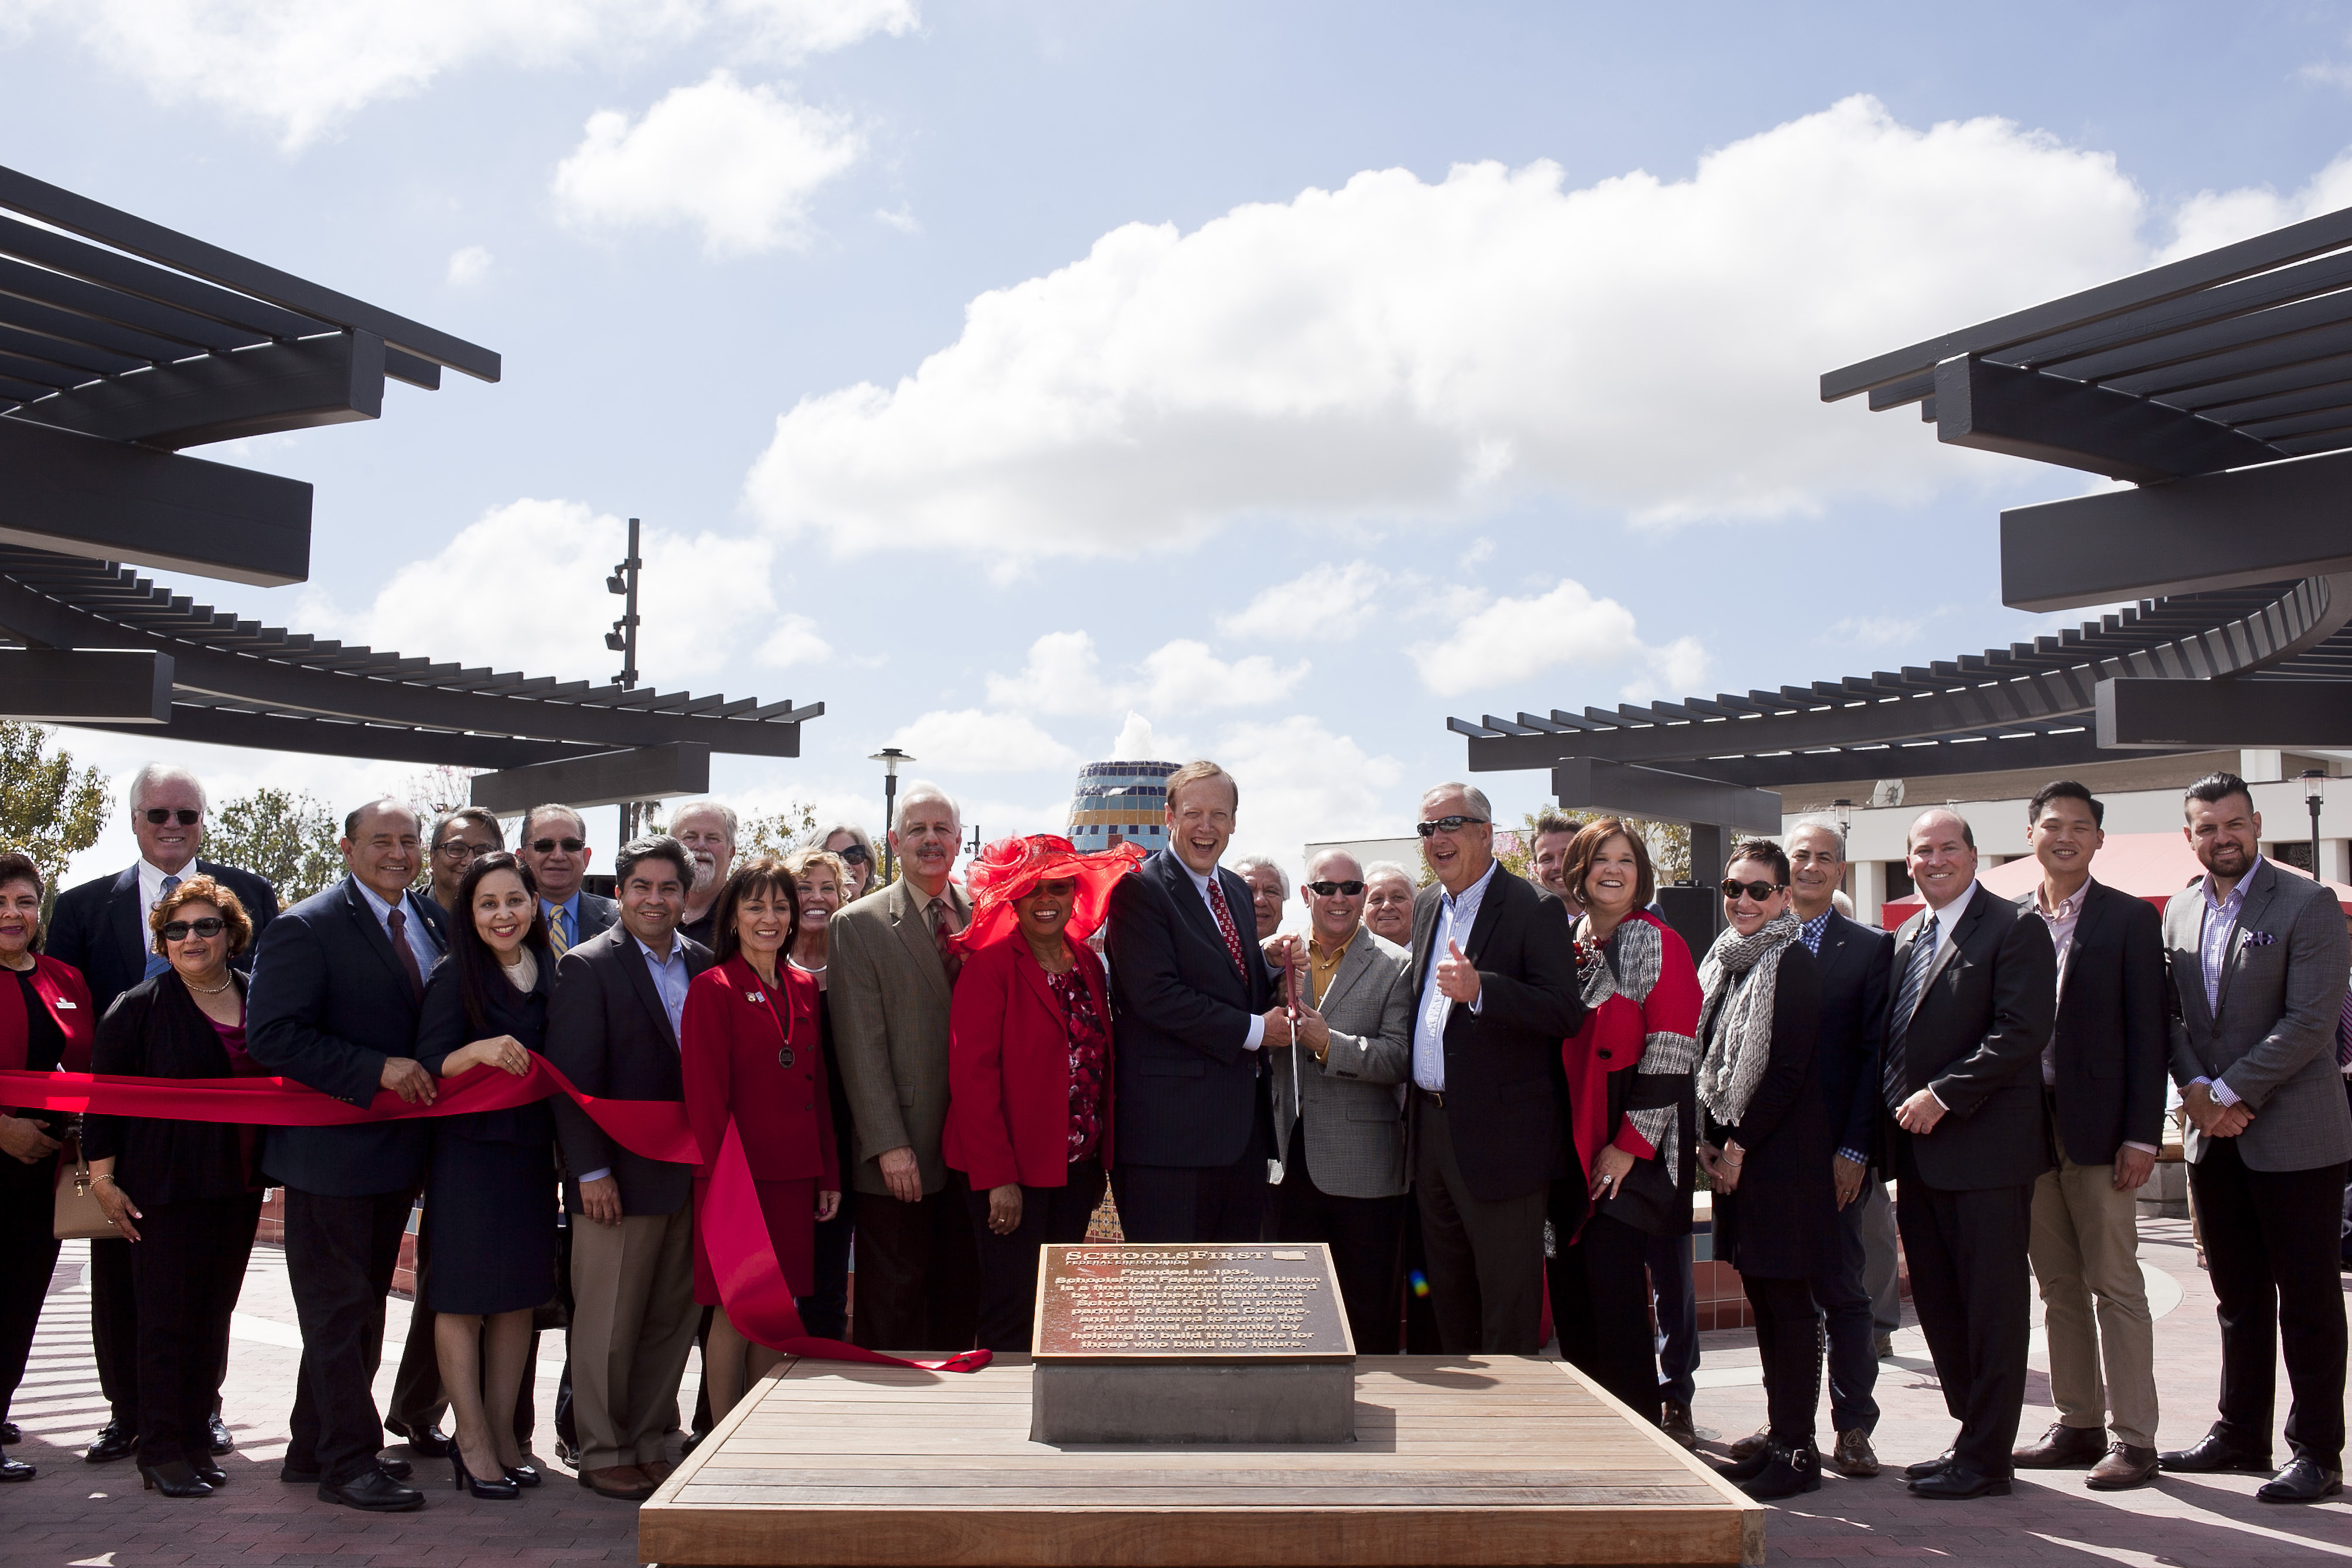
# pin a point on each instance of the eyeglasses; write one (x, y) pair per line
(177, 930)
(458, 849)
(158, 816)
(855, 855)
(1445, 825)
(1326, 890)
(548, 846)
(1759, 891)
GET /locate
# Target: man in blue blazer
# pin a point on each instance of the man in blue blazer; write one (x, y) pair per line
(333, 1005)
(1194, 1011)
(100, 928)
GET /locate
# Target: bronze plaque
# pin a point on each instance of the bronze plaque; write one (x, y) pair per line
(1190, 1301)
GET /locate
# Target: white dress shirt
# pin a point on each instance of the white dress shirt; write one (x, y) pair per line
(1256, 1036)
(1455, 917)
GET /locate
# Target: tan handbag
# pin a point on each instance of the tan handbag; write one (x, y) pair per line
(77, 1216)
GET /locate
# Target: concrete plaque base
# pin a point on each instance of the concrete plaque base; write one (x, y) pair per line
(1256, 1401)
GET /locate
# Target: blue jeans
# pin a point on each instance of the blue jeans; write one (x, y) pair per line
(1675, 1301)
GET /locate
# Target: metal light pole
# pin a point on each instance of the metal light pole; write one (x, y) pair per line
(2314, 794)
(889, 757)
(622, 639)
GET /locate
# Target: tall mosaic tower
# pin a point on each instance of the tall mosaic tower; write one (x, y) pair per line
(1120, 803)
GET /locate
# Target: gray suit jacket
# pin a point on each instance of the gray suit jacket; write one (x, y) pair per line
(888, 996)
(2272, 1037)
(1355, 1129)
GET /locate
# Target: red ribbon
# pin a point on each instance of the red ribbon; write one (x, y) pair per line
(734, 1233)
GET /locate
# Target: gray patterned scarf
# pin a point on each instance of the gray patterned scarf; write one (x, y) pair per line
(1742, 1046)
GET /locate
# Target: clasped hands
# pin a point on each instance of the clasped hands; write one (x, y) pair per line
(2210, 1116)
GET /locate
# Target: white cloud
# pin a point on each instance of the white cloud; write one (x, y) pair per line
(1136, 741)
(796, 640)
(2212, 218)
(1323, 602)
(1397, 349)
(739, 162)
(469, 267)
(971, 741)
(901, 217)
(523, 588)
(1511, 640)
(1063, 674)
(303, 69)
(1300, 782)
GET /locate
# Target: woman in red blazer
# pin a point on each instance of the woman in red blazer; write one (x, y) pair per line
(1029, 1079)
(45, 1025)
(749, 1051)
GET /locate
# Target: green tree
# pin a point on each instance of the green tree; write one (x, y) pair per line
(1669, 844)
(778, 832)
(288, 840)
(47, 810)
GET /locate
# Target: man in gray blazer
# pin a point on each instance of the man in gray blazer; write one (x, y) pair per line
(1339, 1113)
(892, 976)
(2258, 965)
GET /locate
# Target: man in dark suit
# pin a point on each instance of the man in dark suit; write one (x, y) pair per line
(1976, 989)
(613, 1029)
(100, 928)
(2103, 1076)
(333, 1005)
(554, 842)
(1495, 992)
(2258, 965)
(1194, 1011)
(1855, 963)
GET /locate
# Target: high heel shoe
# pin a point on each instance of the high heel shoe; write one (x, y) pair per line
(465, 1480)
(212, 1475)
(174, 1477)
(523, 1474)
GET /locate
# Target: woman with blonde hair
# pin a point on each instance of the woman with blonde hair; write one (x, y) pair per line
(825, 879)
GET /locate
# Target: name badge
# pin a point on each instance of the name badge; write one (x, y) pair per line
(64, 1006)
(755, 996)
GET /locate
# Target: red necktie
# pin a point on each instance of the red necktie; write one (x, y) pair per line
(1225, 924)
(398, 922)
(950, 959)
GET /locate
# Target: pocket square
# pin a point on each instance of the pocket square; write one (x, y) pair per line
(2257, 938)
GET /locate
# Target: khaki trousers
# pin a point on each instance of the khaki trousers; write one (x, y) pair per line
(2085, 1252)
(633, 1320)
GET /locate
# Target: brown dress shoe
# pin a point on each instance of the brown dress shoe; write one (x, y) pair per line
(2124, 1468)
(1747, 1448)
(1854, 1456)
(2060, 1448)
(1674, 1421)
(657, 1470)
(623, 1483)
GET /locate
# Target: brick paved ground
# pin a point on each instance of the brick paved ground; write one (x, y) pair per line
(96, 1516)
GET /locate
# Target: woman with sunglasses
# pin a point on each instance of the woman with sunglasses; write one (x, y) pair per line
(1766, 1149)
(186, 1194)
(851, 843)
(489, 1200)
(1628, 1094)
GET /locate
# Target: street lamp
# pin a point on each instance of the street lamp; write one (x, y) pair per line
(2315, 796)
(1843, 810)
(889, 757)
(622, 639)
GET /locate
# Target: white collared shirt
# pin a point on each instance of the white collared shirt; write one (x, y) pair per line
(150, 883)
(1948, 918)
(1256, 1036)
(1455, 917)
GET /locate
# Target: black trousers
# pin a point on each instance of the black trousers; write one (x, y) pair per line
(1851, 1325)
(1421, 1336)
(114, 1329)
(918, 1274)
(1367, 1241)
(2270, 1239)
(1600, 1301)
(1789, 1339)
(1972, 1289)
(824, 1311)
(1485, 1255)
(1008, 1264)
(186, 1270)
(340, 1257)
(28, 1256)
(1199, 1202)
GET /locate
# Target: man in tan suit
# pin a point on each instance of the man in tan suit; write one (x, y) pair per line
(891, 978)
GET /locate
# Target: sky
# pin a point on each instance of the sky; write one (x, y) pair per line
(1035, 382)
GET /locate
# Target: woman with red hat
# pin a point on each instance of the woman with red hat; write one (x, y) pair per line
(1029, 1069)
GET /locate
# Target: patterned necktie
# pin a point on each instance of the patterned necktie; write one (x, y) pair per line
(398, 923)
(2344, 1033)
(1897, 1080)
(156, 961)
(950, 959)
(556, 940)
(1225, 924)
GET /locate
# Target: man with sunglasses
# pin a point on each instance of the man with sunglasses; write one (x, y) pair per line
(1337, 1114)
(101, 928)
(554, 844)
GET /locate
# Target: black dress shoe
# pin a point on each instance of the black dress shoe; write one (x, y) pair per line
(373, 1491)
(9, 1433)
(1957, 1483)
(524, 1475)
(1935, 1467)
(174, 1478)
(431, 1443)
(17, 1470)
(1674, 1421)
(1786, 1472)
(212, 1475)
(294, 1475)
(222, 1442)
(398, 1470)
(2302, 1481)
(2210, 1454)
(686, 1444)
(111, 1443)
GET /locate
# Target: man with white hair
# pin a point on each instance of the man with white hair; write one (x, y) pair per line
(891, 978)
(1269, 887)
(707, 830)
(1387, 902)
(100, 928)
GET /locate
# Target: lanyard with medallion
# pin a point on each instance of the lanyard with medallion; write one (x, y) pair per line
(784, 1058)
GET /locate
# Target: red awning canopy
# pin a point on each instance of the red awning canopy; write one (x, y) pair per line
(2151, 865)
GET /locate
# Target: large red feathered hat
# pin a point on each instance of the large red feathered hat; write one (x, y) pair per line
(1011, 868)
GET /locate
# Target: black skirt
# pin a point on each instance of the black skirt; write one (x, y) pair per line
(489, 1208)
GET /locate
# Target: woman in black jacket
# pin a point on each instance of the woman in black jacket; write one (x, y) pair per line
(489, 1202)
(186, 1192)
(1766, 1151)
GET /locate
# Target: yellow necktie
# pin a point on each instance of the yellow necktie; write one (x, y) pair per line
(555, 934)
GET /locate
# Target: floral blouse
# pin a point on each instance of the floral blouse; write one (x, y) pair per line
(1089, 1062)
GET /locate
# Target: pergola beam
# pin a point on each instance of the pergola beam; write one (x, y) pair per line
(261, 390)
(1590, 784)
(2025, 414)
(607, 778)
(54, 686)
(2197, 715)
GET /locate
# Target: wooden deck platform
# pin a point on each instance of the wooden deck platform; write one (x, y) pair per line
(1502, 1460)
